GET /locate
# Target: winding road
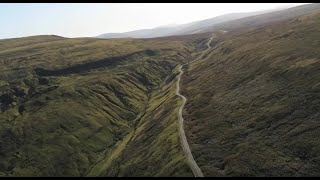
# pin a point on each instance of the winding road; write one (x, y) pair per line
(192, 163)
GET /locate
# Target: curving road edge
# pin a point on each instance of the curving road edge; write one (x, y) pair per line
(192, 163)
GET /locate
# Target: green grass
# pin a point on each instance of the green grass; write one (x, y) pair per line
(64, 123)
(253, 102)
(154, 148)
(96, 107)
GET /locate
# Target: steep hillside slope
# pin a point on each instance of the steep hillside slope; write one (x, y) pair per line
(97, 107)
(78, 107)
(253, 101)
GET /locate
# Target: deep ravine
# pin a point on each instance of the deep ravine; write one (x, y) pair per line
(192, 163)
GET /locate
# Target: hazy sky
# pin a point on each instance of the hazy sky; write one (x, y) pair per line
(84, 19)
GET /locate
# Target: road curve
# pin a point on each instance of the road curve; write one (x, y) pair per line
(192, 163)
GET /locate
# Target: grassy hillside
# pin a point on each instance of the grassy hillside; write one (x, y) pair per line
(78, 107)
(95, 107)
(253, 102)
(153, 143)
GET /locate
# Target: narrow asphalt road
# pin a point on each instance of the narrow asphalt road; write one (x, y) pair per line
(192, 163)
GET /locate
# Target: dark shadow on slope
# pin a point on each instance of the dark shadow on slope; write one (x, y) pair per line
(81, 68)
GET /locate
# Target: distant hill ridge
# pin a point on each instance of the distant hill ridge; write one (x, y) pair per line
(227, 21)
